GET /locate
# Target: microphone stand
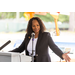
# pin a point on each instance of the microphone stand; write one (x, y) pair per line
(32, 49)
(32, 55)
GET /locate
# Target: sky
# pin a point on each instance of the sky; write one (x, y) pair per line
(65, 13)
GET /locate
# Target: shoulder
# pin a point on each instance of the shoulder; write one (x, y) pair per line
(26, 36)
(46, 33)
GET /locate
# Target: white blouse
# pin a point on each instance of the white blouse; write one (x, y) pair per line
(29, 47)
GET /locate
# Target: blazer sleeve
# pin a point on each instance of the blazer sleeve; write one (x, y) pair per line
(20, 48)
(54, 47)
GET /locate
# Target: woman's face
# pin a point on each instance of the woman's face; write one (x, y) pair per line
(35, 26)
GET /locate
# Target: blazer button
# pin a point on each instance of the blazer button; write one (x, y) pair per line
(36, 54)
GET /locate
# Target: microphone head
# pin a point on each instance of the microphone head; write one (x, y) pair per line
(5, 44)
(33, 35)
(9, 41)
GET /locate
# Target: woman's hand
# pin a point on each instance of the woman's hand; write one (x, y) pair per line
(66, 57)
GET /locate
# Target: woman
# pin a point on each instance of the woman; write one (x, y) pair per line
(41, 42)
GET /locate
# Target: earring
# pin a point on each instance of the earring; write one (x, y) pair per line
(29, 37)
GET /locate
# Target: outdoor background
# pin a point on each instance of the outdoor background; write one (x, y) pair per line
(13, 27)
(16, 21)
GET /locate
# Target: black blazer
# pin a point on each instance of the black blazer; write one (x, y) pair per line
(44, 40)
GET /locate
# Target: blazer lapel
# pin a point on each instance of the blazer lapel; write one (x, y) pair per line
(38, 41)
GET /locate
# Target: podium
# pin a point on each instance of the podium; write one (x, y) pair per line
(14, 57)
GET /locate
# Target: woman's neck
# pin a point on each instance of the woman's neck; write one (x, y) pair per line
(36, 35)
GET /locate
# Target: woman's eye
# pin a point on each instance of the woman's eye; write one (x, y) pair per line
(33, 26)
(37, 25)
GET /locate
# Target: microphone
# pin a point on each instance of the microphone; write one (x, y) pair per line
(33, 35)
(5, 44)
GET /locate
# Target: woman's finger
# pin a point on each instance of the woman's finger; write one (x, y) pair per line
(67, 58)
(68, 52)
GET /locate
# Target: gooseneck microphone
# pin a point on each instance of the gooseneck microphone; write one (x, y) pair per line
(5, 45)
(33, 36)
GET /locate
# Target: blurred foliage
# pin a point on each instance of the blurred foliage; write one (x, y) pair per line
(46, 18)
(49, 18)
(21, 14)
(4, 15)
(63, 18)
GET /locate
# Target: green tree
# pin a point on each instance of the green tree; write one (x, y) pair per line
(4, 15)
(21, 14)
(49, 18)
(63, 18)
(46, 18)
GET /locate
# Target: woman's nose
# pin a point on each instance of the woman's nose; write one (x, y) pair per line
(35, 26)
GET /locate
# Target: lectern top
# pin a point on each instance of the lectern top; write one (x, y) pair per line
(9, 53)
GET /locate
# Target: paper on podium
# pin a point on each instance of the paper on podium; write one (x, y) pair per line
(13, 57)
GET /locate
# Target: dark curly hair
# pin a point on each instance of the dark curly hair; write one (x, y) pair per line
(29, 26)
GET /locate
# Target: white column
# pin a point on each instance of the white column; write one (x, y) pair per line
(72, 21)
(17, 15)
